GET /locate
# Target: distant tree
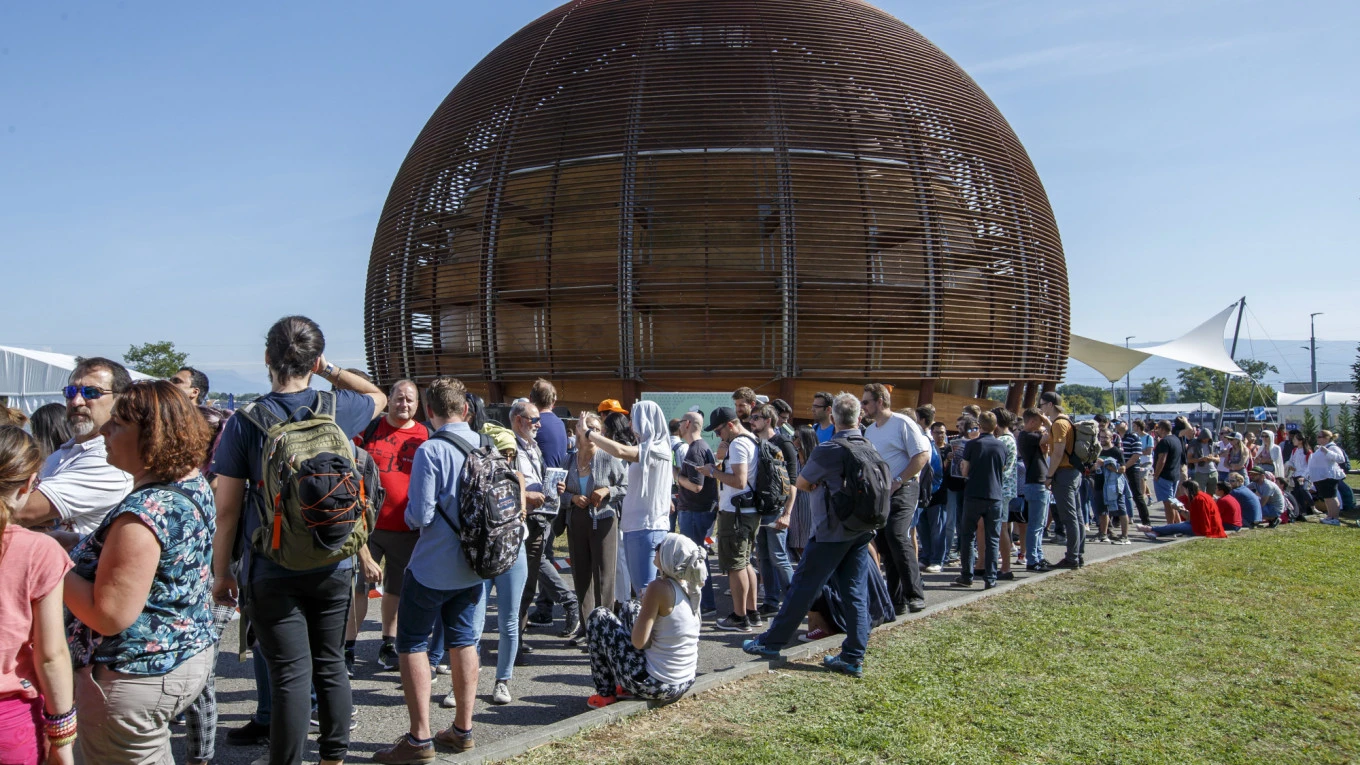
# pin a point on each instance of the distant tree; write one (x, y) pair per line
(1325, 416)
(1355, 368)
(1345, 429)
(1199, 384)
(159, 360)
(1310, 428)
(997, 393)
(1155, 391)
(1096, 399)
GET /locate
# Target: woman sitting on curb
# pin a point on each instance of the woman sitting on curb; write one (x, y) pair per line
(1204, 518)
(651, 650)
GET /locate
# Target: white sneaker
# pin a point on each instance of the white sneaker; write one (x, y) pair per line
(501, 694)
(934, 569)
(449, 702)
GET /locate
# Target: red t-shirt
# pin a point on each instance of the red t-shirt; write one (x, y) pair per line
(1230, 510)
(1204, 520)
(392, 451)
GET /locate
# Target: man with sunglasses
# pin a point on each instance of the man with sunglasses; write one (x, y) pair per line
(77, 486)
(526, 421)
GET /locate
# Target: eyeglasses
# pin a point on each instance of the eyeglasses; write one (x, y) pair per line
(87, 392)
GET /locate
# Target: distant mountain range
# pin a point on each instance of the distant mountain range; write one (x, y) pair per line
(1334, 359)
(1334, 363)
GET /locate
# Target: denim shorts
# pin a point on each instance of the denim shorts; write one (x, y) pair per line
(420, 604)
(1164, 489)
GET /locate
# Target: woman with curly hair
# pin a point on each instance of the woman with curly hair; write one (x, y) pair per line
(140, 591)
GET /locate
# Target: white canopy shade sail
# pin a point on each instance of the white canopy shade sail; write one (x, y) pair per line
(29, 379)
(1201, 347)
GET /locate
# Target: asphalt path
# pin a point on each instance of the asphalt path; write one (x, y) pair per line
(553, 685)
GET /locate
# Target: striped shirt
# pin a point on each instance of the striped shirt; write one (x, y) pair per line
(1131, 444)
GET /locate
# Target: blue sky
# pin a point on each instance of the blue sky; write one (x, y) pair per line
(191, 172)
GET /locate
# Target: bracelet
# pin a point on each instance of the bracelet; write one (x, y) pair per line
(60, 729)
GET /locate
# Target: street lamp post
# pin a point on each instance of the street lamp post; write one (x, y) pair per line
(1128, 389)
(1312, 347)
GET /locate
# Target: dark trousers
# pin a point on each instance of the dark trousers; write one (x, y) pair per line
(1136, 478)
(990, 512)
(594, 547)
(300, 627)
(551, 588)
(895, 547)
(540, 532)
(849, 562)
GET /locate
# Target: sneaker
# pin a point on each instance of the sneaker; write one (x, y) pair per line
(841, 665)
(757, 648)
(1039, 567)
(405, 752)
(1330, 521)
(571, 621)
(753, 619)
(704, 613)
(1006, 576)
(449, 702)
(1122, 540)
(767, 610)
(349, 662)
(442, 669)
(250, 734)
(387, 657)
(1067, 563)
(1102, 539)
(540, 618)
(916, 606)
(961, 582)
(934, 568)
(1151, 535)
(814, 635)
(501, 694)
(733, 623)
(451, 738)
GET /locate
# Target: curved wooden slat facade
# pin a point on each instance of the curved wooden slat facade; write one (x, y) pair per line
(693, 194)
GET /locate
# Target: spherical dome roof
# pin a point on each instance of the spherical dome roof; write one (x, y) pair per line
(652, 190)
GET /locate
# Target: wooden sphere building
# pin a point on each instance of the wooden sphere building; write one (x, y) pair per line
(794, 195)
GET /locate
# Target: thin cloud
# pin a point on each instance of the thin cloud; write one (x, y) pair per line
(1102, 58)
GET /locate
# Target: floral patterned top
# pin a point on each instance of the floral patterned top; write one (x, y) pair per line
(177, 621)
(1009, 489)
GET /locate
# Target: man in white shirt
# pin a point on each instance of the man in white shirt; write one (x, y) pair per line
(906, 448)
(77, 486)
(738, 519)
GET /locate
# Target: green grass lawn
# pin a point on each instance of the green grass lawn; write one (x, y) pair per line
(1215, 651)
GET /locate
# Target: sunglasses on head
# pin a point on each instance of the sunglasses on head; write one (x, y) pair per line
(87, 392)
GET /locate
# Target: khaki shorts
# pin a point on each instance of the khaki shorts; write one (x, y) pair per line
(736, 539)
(394, 549)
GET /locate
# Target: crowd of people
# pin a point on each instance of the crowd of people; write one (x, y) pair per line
(138, 522)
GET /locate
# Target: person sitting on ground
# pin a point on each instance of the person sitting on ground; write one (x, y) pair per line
(143, 637)
(1250, 503)
(36, 707)
(651, 649)
(1268, 492)
(1229, 509)
(827, 615)
(1204, 518)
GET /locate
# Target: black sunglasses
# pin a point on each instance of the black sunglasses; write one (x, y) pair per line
(87, 392)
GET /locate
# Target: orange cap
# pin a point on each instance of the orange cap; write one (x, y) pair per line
(611, 405)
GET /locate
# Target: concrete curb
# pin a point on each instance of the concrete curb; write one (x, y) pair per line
(595, 718)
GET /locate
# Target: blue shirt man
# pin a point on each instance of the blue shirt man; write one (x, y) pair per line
(437, 560)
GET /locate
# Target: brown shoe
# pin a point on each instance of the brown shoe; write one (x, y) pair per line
(403, 752)
(458, 742)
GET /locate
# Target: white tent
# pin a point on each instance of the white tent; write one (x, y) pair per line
(30, 379)
(1293, 405)
(1201, 347)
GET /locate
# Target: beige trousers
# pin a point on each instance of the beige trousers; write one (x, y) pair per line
(125, 719)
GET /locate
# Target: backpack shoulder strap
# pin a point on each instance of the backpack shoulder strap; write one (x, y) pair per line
(429, 431)
(372, 430)
(259, 415)
(325, 404)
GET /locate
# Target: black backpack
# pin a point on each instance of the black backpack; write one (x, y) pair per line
(865, 499)
(490, 522)
(772, 479)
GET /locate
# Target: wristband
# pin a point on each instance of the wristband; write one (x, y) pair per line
(60, 729)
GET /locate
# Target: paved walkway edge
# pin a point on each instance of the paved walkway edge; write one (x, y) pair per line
(595, 718)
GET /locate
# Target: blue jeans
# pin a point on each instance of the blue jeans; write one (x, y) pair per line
(696, 524)
(436, 652)
(1036, 505)
(772, 552)
(639, 552)
(930, 531)
(847, 561)
(989, 511)
(1173, 529)
(951, 523)
(509, 589)
(1164, 489)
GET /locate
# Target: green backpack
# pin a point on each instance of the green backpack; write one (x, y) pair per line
(316, 502)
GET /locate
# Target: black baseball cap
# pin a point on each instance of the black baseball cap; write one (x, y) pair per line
(720, 417)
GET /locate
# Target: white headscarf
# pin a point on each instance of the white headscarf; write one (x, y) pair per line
(654, 456)
(683, 561)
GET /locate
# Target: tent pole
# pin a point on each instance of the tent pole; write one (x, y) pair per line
(1227, 379)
